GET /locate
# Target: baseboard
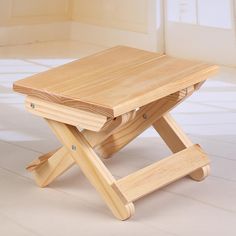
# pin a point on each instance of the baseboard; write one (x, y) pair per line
(65, 30)
(22, 34)
(110, 37)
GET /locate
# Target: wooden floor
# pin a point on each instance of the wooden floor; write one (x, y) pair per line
(71, 206)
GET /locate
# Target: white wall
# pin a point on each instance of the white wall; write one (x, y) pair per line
(201, 43)
(201, 29)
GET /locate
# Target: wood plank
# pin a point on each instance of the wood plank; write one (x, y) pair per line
(161, 173)
(51, 165)
(56, 165)
(144, 118)
(82, 119)
(93, 168)
(115, 81)
(177, 140)
(171, 133)
(40, 160)
(95, 138)
(168, 126)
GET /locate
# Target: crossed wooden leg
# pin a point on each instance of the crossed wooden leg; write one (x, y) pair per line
(82, 148)
(51, 165)
(177, 141)
(93, 168)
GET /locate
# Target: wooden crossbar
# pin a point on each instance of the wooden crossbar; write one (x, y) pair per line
(68, 115)
(161, 173)
(144, 118)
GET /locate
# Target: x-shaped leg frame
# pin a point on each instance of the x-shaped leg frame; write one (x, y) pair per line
(85, 147)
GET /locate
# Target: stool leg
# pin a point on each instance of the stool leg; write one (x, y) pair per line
(201, 173)
(144, 118)
(177, 141)
(93, 168)
(51, 165)
(48, 167)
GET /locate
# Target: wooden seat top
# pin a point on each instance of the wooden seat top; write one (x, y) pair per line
(115, 81)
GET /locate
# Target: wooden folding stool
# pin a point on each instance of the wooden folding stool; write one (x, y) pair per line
(114, 96)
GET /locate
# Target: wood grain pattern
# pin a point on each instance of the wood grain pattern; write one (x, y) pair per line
(48, 167)
(40, 161)
(56, 165)
(161, 173)
(115, 81)
(93, 168)
(177, 140)
(171, 133)
(77, 117)
(95, 138)
(144, 118)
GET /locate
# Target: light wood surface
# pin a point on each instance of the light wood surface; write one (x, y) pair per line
(177, 140)
(95, 138)
(93, 168)
(161, 173)
(171, 133)
(201, 173)
(77, 117)
(48, 167)
(144, 118)
(49, 170)
(115, 81)
(40, 160)
(117, 134)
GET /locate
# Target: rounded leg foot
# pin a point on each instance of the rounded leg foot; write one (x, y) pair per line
(130, 210)
(201, 173)
(125, 213)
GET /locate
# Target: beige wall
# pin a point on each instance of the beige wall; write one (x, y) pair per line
(16, 12)
(129, 15)
(121, 14)
(106, 22)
